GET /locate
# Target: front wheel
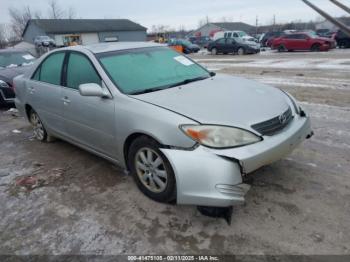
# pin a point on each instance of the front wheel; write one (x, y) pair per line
(241, 51)
(38, 127)
(282, 48)
(316, 48)
(151, 170)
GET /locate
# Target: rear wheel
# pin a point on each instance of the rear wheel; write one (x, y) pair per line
(38, 127)
(151, 170)
(214, 51)
(316, 48)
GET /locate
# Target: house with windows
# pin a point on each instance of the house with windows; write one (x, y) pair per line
(84, 31)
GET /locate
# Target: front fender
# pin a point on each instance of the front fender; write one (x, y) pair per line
(135, 116)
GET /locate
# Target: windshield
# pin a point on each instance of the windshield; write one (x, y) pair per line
(145, 69)
(239, 40)
(13, 59)
(241, 34)
(184, 42)
(312, 34)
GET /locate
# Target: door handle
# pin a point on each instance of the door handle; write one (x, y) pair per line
(65, 100)
(31, 90)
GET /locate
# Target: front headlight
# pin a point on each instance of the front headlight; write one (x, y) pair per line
(4, 84)
(220, 136)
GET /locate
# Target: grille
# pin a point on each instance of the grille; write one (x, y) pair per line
(274, 125)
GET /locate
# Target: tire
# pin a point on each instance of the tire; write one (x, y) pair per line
(316, 48)
(187, 51)
(38, 127)
(214, 51)
(281, 48)
(151, 170)
(241, 51)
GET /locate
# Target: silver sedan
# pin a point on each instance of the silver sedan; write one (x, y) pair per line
(184, 133)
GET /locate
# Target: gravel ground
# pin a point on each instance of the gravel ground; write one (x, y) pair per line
(82, 204)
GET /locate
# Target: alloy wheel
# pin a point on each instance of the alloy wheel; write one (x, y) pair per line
(39, 131)
(151, 170)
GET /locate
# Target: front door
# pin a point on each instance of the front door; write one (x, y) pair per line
(220, 45)
(232, 46)
(88, 120)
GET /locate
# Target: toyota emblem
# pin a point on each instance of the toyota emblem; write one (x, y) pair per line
(282, 118)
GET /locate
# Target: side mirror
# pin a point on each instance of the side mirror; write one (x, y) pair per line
(92, 89)
(212, 74)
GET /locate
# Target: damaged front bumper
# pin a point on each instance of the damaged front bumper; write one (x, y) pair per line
(213, 177)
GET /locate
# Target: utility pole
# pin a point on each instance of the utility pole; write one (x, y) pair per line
(338, 23)
(342, 6)
(256, 25)
(274, 22)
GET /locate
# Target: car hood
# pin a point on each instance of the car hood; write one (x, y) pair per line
(324, 39)
(8, 74)
(222, 100)
(193, 46)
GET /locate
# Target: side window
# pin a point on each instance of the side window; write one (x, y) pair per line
(235, 35)
(229, 35)
(222, 41)
(225, 35)
(36, 76)
(50, 70)
(292, 37)
(80, 71)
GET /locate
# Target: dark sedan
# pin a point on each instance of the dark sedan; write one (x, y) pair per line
(12, 63)
(186, 45)
(233, 45)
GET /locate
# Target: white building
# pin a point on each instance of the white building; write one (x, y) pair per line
(84, 31)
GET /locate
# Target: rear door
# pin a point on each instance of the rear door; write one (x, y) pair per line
(45, 91)
(89, 120)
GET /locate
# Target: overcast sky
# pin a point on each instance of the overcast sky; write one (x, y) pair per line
(183, 12)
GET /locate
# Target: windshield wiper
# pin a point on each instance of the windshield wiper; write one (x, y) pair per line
(184, 82)
(187, 81)
(150, 90)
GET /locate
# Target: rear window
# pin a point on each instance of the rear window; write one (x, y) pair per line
(50, 70)
(13, 59)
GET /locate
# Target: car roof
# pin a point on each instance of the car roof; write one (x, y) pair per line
(118, 46)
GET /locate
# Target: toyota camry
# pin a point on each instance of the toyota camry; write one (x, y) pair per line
(184, 133)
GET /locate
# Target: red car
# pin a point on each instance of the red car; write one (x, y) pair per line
(302, 41)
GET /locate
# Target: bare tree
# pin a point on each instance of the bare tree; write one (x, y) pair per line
(160, 29)
(55, 11)
(71, 13)
(204, 21)
(3, 35)
(20, 17)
